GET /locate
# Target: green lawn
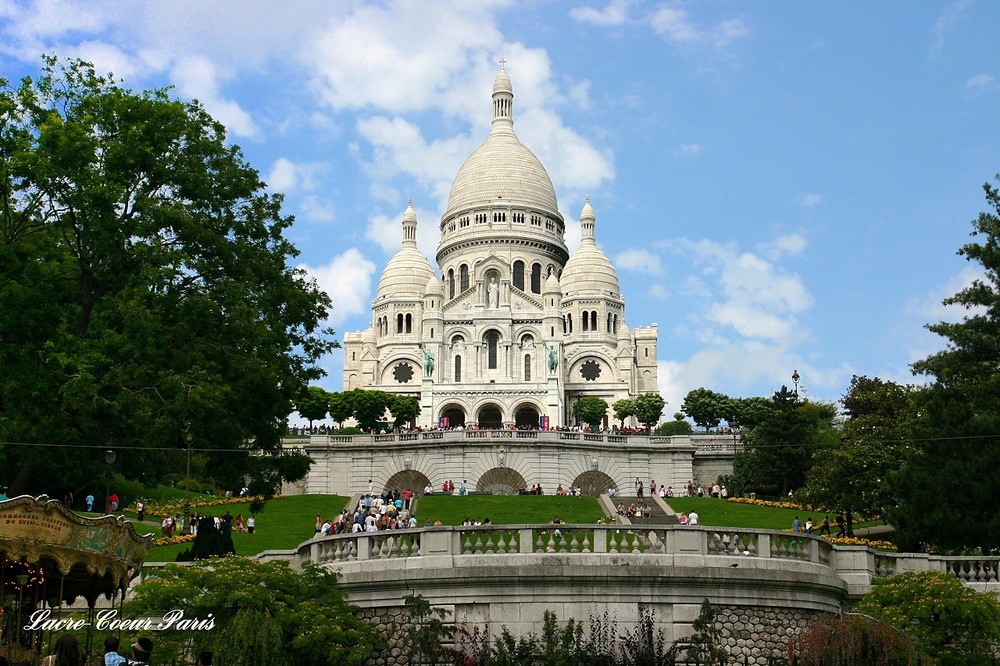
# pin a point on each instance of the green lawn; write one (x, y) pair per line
(508, 509)
(284, 523)
(716, 512)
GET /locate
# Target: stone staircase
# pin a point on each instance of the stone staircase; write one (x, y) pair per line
(660, 512)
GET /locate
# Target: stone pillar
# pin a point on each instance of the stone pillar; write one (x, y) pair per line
(427, 419)
(554, 405)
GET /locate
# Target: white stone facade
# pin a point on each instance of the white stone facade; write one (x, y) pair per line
(511, 329)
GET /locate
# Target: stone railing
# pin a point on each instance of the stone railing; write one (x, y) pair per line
(565, 539)
(704, 444)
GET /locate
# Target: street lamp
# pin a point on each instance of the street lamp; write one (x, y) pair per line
(188, 437)
(795, 381)
(109, 458)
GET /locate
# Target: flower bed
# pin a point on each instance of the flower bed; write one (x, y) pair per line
(169, 541)
(161, 510)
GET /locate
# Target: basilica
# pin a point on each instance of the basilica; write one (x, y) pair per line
(512, 329)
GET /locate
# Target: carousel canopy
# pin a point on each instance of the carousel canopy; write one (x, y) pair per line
(66, 555)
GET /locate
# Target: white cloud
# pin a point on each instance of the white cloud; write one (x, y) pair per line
(675, 25)
(387, 232)
(347, 278)
(930, 307)
(640, 261)
(288, 176)
(690, 148)
(950, 17)
(317, 209)
(752, 296)
(198, 77)
(788, 244)
(981, 81)
(614, 13)
(810, 200)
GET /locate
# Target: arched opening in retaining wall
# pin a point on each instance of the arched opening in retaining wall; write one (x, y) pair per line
(501, 481)
(408, 479)
(526, 416)
(593, 483)
(490, 417)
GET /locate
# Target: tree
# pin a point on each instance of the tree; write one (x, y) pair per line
(405, 409)
(854, 475)
(145, 284)
(706, 408)
(341, 408)
(591, 410)
(313, 404)
(947, 489)
(853, 639)
(263, 613)
(705, 641)
(369, 407)
(675, 427)
(648, 408)
(623, 409)
(946, 620)
(777, 452)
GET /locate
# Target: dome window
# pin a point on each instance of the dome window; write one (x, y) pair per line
(590, 370)
(402, 373)
(518, 274)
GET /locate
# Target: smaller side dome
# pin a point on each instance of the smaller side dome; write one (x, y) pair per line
(434, 287)
(408, 272)
(589, 271)
(551, 284)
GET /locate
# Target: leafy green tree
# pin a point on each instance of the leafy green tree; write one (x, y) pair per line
(623, 409)
(426, 631)
(946, 492)
(591, 410)
(649, 408)
(369, 407)
(946, 620)
(777, 452)
(405, 409)
(675, 427)
(313, 404)
(145, 283)
(263, 613)
(854, 475)
(341, 407)
(706, 408)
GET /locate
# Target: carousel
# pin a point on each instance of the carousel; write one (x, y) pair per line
(53, 559)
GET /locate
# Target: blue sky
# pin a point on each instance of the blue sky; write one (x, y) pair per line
(781, 186)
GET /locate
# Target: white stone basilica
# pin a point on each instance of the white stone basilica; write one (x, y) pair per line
(516, 329)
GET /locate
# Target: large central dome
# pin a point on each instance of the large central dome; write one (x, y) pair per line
(502, 168)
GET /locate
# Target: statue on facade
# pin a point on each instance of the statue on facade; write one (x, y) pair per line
(428, 363)
(553, 360)
(494, 294)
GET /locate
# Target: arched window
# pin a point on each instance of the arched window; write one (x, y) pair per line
(409, 323)
(586, 321)
(464, 272)
(492, 340)
(593, 320)
(569, 323)
(399, 323)
(527, 367)
(458, 369)
(451, 283)
(609, 322)
(536, 278)
(519, 274)
(614, 328)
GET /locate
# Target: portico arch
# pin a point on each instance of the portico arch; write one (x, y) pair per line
(490, 417)
(526, 416)
(592, 483)
(501, 481)
(455, 415)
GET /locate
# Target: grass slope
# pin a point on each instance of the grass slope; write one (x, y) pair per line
(284, 523)
(508, 509)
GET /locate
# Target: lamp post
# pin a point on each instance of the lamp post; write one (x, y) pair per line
(109, 458)
(795, 382)
(188, 437)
